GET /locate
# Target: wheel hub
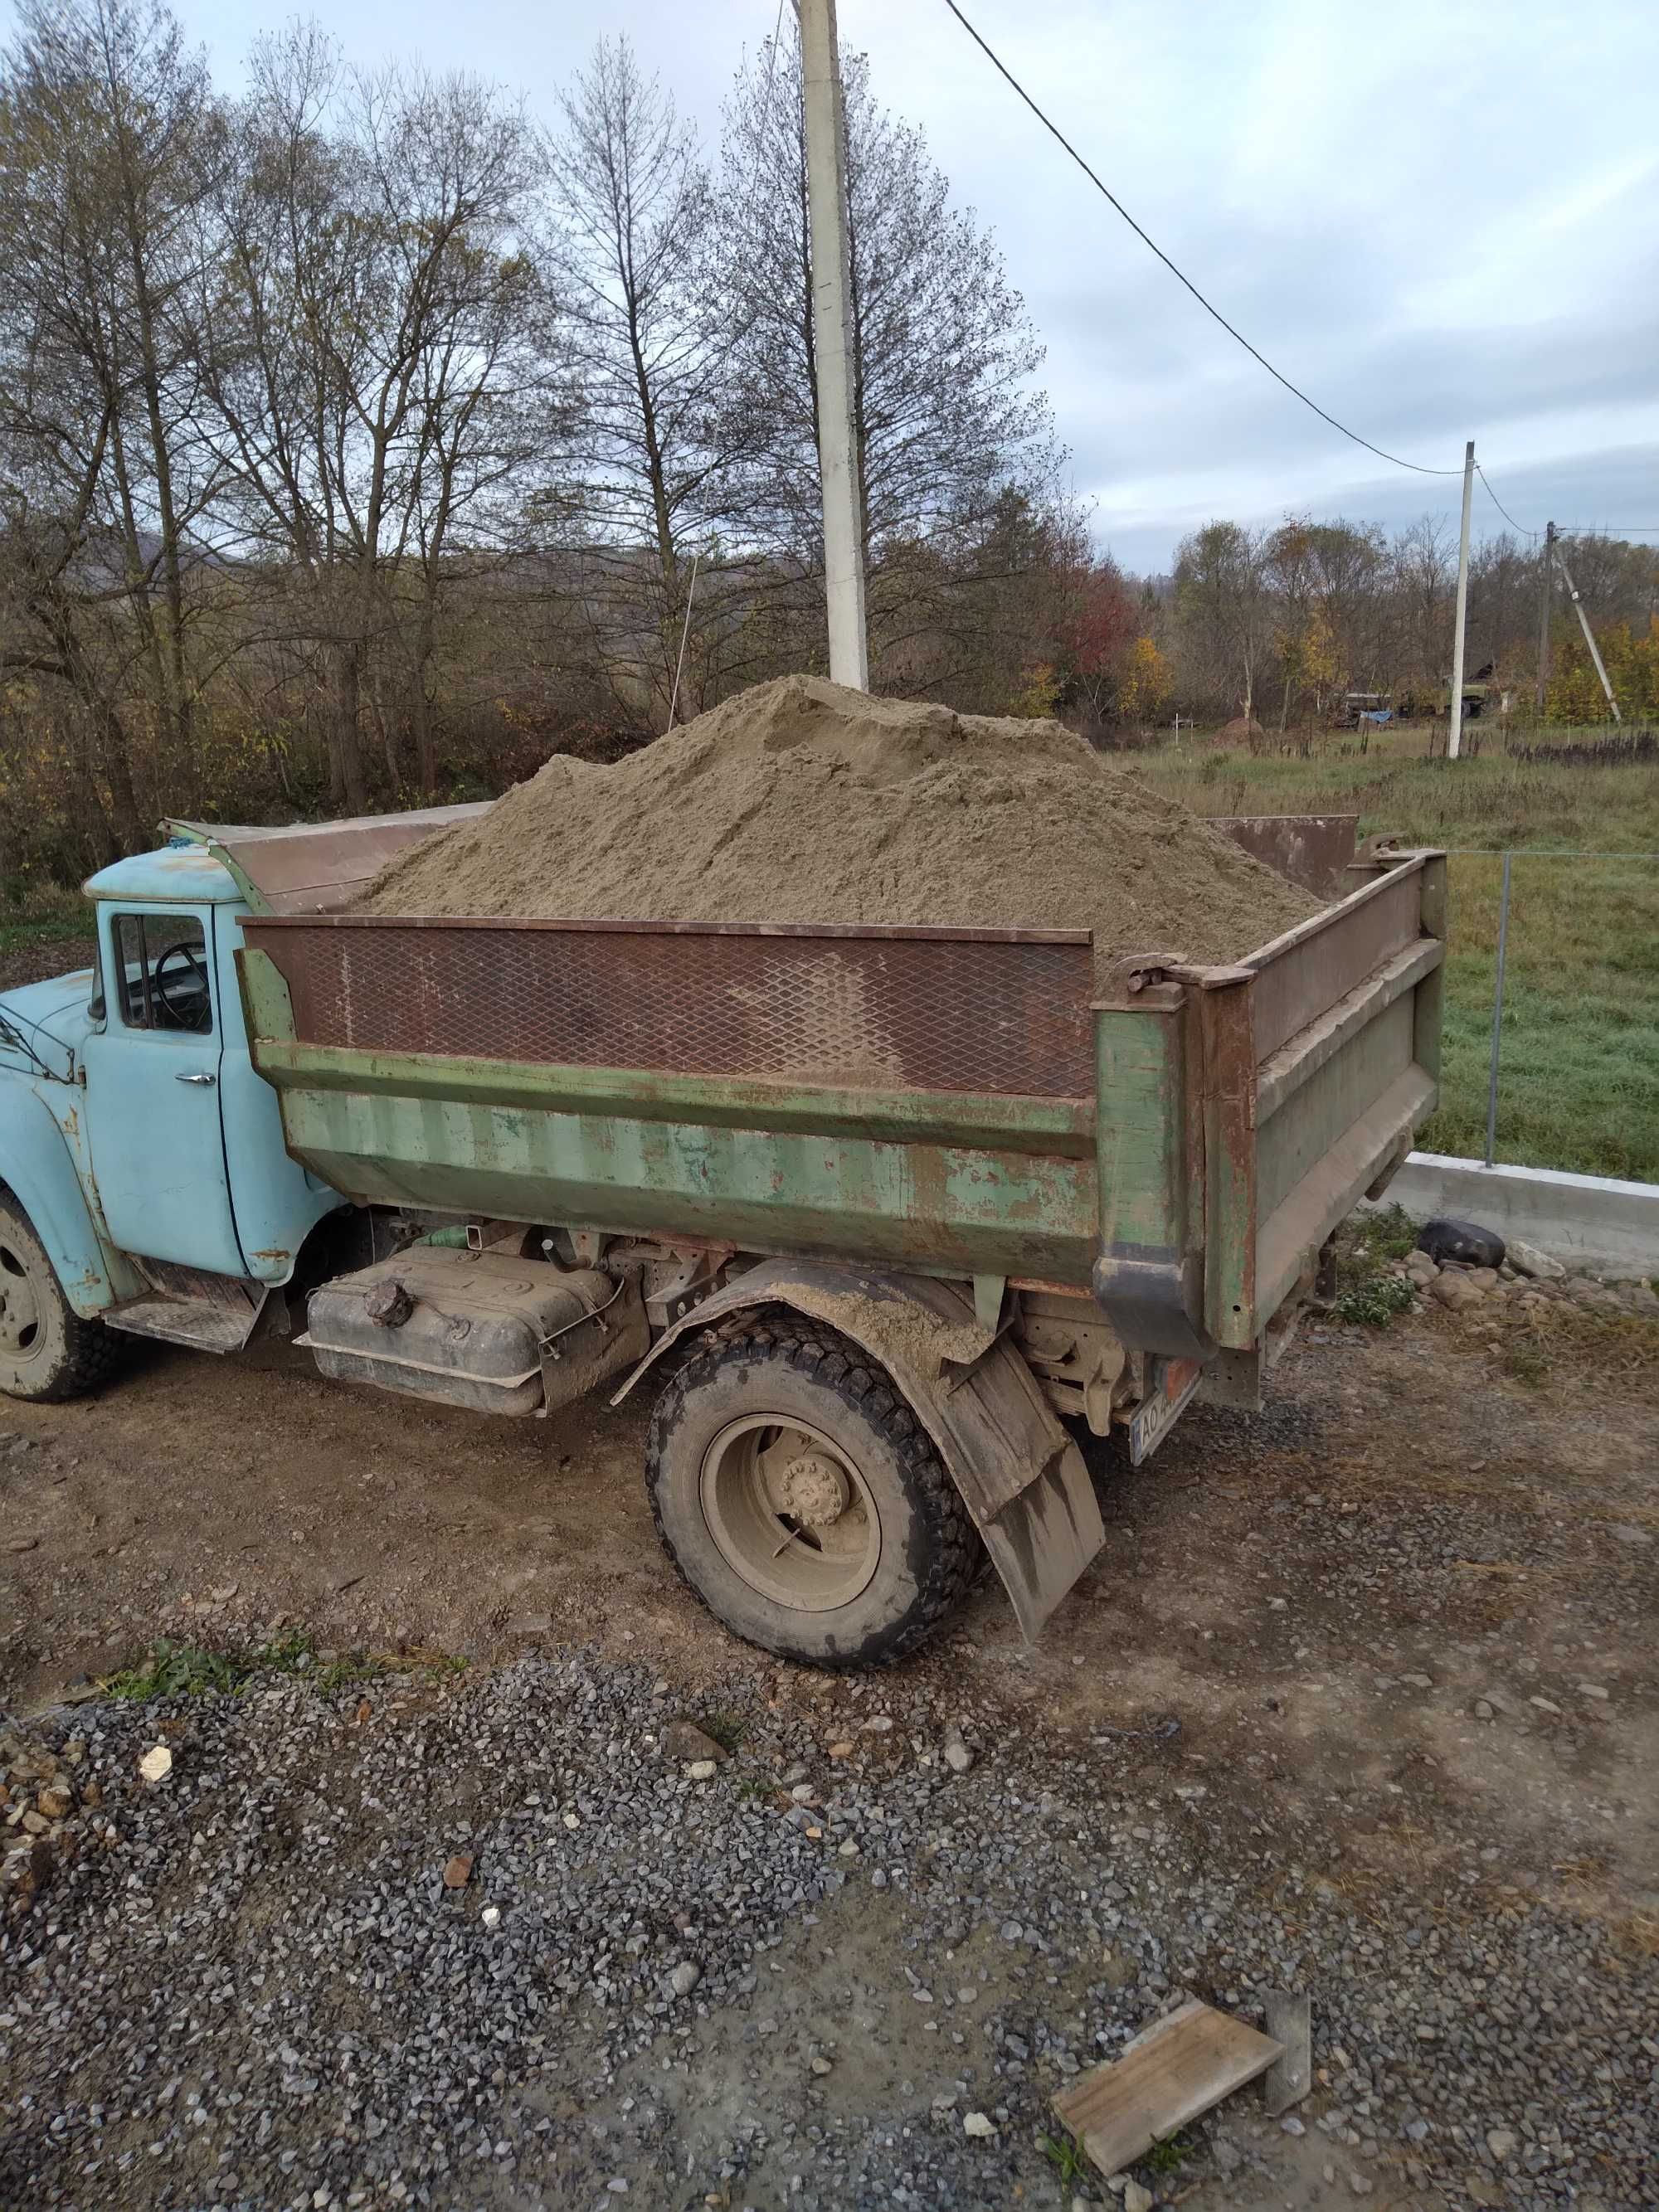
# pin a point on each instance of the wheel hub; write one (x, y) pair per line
(815, 1491)
(790, 1512)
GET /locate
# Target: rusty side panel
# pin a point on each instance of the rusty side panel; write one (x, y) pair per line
(1002, 1011)
(1307, 970)
(1227, 1018)
(1314, 850)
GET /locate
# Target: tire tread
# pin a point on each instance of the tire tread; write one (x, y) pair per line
(954, 1557)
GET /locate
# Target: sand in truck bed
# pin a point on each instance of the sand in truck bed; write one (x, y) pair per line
(800, 801)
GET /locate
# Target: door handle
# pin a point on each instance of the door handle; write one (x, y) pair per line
(195, 1078)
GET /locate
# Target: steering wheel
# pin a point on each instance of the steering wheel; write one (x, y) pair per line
(194, 1012)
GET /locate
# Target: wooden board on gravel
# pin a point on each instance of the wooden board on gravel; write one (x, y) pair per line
(1169, 2075)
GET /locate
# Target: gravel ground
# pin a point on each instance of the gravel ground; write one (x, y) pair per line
(789, 1981)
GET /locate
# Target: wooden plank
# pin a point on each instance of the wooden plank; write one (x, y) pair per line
(1172, 2072)
(1287, 2081)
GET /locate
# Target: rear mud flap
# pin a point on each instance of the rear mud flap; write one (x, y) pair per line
(1042, 1540)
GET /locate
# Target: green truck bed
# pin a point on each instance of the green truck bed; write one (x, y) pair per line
(964, 1103)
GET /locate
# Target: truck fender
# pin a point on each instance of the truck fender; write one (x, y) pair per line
(1020, 1474)
(38, 1170)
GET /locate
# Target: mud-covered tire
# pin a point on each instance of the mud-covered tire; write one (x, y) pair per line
(927, 1553)
(47, 1352)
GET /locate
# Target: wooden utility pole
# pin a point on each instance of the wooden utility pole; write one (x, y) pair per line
(1455, 728)
(1543, 616)
(832, 343)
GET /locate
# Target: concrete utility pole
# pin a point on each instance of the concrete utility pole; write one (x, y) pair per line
(832, 344)
(1589, 639)
(1543, 614)
(1454, 731)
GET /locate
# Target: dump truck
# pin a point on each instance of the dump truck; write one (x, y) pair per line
(892, 1220)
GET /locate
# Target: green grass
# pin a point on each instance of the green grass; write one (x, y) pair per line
(1068, 2159)
(172, 1670)
(1579, 1063)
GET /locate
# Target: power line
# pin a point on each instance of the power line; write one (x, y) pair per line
(1499, 505)
(1054, 131)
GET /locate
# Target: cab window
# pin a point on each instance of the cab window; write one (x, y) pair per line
(162, 973)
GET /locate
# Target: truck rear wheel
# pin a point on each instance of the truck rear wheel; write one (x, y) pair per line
(46, 1350)
(803, 1501)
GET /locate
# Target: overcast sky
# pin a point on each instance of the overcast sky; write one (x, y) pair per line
(1441, 219)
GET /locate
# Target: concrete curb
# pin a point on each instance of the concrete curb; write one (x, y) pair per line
(1585, 1221)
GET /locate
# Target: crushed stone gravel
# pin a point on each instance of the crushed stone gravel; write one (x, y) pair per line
(248, 1985)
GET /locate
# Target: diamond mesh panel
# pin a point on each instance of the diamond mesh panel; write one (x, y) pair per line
(950, 1010)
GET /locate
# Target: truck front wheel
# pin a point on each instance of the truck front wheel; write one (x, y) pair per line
(46, 1350)
(803, 1501)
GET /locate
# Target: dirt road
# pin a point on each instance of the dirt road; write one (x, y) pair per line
(1403, 1619)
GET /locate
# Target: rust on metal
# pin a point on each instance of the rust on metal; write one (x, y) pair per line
(1004, 1012)
(1314, 850)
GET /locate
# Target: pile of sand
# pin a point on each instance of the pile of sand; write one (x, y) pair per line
(802, 801)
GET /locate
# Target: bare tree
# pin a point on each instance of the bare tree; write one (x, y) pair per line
(633, 209)
(110, 141)
(946, 418)
(1222, 614)
(371, 351)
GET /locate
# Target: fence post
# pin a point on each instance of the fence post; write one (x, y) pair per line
(1498, 1014)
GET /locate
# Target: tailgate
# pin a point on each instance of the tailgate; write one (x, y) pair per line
(1244, 1111)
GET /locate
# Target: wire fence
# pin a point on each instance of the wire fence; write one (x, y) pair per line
(1553, 1009)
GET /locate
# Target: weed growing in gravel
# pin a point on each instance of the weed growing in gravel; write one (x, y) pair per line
(1166, 2156)
(1374, 1305)
(174, 1670)
(1068, 2159)
(727, 1728)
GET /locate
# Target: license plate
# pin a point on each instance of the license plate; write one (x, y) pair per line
(1172, 1383)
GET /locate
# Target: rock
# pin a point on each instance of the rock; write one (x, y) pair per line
(1545, 1704)
(25, 1872)
(1484, 1278)
(957, 1757)
(685, 1741)
(1483, 1710)
(1446, 1238)
(458, 1871)
(1589, 1690)
(1624, 1532)
(1503, 2143)
(1292, 2126)
(1456, 1293)
(1137, 2199)
(156, 1764)
(821, 2065)
(978, 2123)
(1527, 1260)
(57, 1803)
(491, 1915)
(879, 1725)
(685, 1977)
(844, 1749)
(702, 1770)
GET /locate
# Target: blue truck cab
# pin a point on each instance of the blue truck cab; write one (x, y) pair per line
(141, 1155)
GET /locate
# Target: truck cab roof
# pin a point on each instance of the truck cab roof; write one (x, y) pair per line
(172, 873)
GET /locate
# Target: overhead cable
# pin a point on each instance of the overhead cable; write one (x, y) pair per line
(1054, 130)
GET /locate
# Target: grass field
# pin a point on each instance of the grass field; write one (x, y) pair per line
(1579, 1069)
